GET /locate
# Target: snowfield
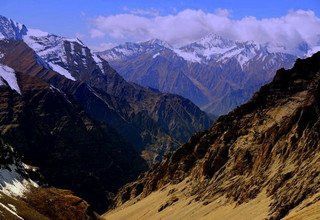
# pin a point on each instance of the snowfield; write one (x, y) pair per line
(8, 76)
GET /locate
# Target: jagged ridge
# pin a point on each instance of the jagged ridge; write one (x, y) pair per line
(216, 73)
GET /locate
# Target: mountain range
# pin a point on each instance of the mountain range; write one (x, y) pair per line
(77, 139)
(145, 117)
(215, 73)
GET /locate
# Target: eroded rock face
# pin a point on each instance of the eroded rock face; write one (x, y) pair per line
(270, 143)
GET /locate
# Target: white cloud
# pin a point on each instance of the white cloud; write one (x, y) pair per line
(102, 47)
(143, 12)
(222, 12)
(96, 33)
(189, 25)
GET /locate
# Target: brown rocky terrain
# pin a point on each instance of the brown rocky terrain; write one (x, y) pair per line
(45, 204)
(58, 204)
(264, 155)
(21, 198)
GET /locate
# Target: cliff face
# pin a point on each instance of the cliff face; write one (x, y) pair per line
(271, 144)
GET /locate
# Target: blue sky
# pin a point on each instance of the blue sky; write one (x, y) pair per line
(78, 17)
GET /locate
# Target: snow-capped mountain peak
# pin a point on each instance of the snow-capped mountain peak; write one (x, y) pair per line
(157, 42)
(36, 33)
(10, 29)
(153, 47)
(214, 40)
(214, 47)
(53, 50)
(211, 48)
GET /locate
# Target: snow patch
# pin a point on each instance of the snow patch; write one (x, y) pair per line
(242, 60)
(157, 42)
(209, 52)
(124, 51)
(11, 211)
(154, 56)
(72, 47)
(12, 183)
(33, 43)
(96, 58)
(98, 61)
(48, 48)
(64, 96)
(37, 33)
(188, 56)
(8, 75)
(62, 71)
(230, 54)
(12, 207)
(28, 167)
(84, 51)
(76, 40)
(313, 51)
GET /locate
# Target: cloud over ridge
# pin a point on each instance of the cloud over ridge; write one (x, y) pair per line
(291, 32)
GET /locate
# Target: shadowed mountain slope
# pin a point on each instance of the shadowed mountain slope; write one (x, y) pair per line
(73, 151)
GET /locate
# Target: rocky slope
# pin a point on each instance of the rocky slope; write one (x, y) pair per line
(52, 132)
(264, 152)
(215, 73)
(22, 198)
(154, 122)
